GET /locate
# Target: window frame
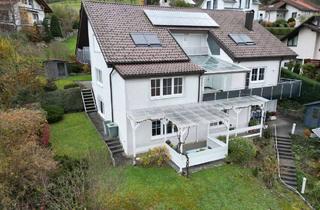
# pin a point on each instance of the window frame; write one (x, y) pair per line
(293, 42)
(172, 94)
(99, 76)
(258, 80)
(162, 129)
(101, 105)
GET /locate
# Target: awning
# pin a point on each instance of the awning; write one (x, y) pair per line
(316, 131)
(188, 115)
(214, 65)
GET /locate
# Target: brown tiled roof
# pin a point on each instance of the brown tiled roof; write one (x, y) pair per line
(157, 69)
(113, 23)
(267, 46)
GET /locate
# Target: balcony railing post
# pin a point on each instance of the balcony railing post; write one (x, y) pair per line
(215, 96)
(291, 89)
(300, 84)
(271, 92)
(281, 91)
(261, 91)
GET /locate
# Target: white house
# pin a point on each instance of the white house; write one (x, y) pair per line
(305, 39)
(21, 13)
(285, 9)
(184, 75)
(243, 5)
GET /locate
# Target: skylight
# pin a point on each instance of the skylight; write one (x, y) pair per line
(178, 18)
(241, 39)
(145, 39)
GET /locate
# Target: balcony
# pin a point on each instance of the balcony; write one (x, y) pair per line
(286, 88)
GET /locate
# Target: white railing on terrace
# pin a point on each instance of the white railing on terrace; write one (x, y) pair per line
(236, 131)
(218, 151)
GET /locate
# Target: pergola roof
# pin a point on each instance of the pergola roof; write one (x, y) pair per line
(316, 131)
(187, 115)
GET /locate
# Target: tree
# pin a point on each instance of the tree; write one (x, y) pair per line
(25, 165)
(55, 27)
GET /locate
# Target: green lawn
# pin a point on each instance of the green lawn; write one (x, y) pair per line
(223, 187)
(69, 3)
(71, 44)
(71, 79)
(75, 136)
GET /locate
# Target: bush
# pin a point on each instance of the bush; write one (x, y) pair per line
(241, 151)
(310, 88)
(74, 68)
(70, 99)
(157, 156)
(54, 113)
(309, 70)
(280, 23)
(179, 3)
(50, 86)
(71, 85)
(269, 171)
(279, 31)
(267, 133)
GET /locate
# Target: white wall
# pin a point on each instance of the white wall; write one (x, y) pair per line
(138, 95)
(226, 82)
(271, 72)
(101, 90)
(308, 44)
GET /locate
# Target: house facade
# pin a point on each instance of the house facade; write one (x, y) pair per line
(243, 5)
(305, 39)
(20, 13)
(284, 9)
(216, 73)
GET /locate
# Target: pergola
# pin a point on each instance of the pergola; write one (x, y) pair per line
(182, 116)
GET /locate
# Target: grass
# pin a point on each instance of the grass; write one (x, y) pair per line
(223, 187)
(70, 44)
(75, 136)
(69, 3)
(71, 79)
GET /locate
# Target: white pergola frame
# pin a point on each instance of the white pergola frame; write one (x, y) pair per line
(182, 116)
(186, 116)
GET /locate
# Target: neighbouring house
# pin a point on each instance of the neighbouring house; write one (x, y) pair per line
(285, 9)
(312, 114)
(244, 5)
(15, 14)
(305, 40)
(184, 75)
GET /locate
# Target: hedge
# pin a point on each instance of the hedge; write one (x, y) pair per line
(279, 31)
(310, 88)
(70, 99)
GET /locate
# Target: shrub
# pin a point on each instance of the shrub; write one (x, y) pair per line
(86, 69)
(33, 33)
(267, 133)
(310, 88)
(241, 151)
(280, 23)
(55, 28)
(71, 85)
(157, 156)
(50, 86)
(179, 3)
(45, 135)
(70, 99)
(74, 68)
(269, 171)
(54, 113)
(309, 70)
(254, 122)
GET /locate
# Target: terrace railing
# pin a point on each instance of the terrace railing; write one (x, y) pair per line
(286, 88)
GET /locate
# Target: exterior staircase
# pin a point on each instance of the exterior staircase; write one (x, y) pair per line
(88, 100)
(114, 146)
(287, 164)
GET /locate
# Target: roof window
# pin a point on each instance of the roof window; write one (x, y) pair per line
(145, 39)
(241, 39)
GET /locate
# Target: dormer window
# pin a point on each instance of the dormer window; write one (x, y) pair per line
(241, 39)
(145, 39)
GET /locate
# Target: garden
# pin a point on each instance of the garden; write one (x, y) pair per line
(280, 27)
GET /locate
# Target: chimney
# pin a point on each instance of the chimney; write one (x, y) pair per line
(249, 20)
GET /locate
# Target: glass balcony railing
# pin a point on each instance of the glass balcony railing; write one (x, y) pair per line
(286, 88)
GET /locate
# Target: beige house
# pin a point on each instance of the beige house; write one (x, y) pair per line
(15, 14)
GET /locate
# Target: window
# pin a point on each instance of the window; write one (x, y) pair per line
(261, 74)
(156, 128)
(155, 87)
(254, 74)
(166, 86)
(294, 15)
(35, 18)
(208, 4)
(241, 39)
(31, 3)
(99, 75)
(293, 42)
(177, 85)
(257, 74)
(247, 4)
(101, 106)
(145, 39)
